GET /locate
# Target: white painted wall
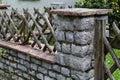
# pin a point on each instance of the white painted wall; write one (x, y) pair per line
(37, 4)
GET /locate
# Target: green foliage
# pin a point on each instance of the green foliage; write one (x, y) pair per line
(110, 62)
(107, 4)
(3, 52)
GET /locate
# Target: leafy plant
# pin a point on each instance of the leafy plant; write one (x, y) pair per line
(3, 52)
(107, 4)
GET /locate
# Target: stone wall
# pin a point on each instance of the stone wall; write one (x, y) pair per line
(74, 59)
(19, 66)
(75, 45)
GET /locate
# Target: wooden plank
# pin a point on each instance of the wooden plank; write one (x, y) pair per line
(99, 49)
(29, 51)
(4, 6)
(108, 72)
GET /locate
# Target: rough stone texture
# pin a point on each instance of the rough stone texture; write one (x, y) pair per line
(60, 35)
(36, 61)
(42, 70)
(60, 77)
(60, 58)
(82, 64)
(40, 76)
(66, 48)
(21, 67)
(52, 74)
(85, 23)
(74, 55)
(79, 75)
(56, 68)
(33, 66)
(83, 37)
(70, 37)
(58, 46)
(23, 56)
(80, 51)
(65, 71)
(75, 45)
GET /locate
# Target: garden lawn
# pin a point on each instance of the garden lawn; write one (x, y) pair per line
(110, 62)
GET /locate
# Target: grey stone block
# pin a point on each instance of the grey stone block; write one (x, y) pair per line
(92, 79)
(21, 61)
(60, 58)
(19, 78)
(91, 74)
(52, 74)
(26, 64)
(21, 67)
(84, 23)
(65, 71)
(69, 37)
(22, 56)
(59, 35)
(33, 66)
(36, 61)
(56, 68)
(69, 79)
(67, 23)
(10, 57)
(57, 22)
(10, 69)
(31, 72)
(26, 76)
(1, 65)
(13, 53)
(46, 65)
(18, 72)
(48, 78)
(60, 77)
(77, 75)
(40, 76)
(3, 60)
(63, 23)
(42, 70)
(15, 77)
(58, 46)
(13, 64)
(32, 78)
(7, 62)
(66, 48)
(16, 59)
(83, 38)
(27, 58)
(82, 64)
(80, 51)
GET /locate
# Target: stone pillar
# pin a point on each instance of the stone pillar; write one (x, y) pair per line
(75, 40)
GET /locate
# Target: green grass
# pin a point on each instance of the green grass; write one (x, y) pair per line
(110, 62)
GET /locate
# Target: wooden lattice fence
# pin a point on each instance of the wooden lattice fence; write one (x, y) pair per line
(34, 30)
(110, 45)
(105, 46)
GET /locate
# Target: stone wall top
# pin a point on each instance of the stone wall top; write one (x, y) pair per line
(81, 12)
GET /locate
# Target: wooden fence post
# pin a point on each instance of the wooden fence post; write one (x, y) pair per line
(99, 48)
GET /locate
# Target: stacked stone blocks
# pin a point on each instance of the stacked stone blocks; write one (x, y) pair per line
(75, 44)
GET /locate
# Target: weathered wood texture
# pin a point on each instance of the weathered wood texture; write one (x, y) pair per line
(34, 30)
(110, 45)
(99, 49)
(29, 51)
(104, 46)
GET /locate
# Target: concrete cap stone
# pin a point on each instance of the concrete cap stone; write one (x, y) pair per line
(81, 12)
